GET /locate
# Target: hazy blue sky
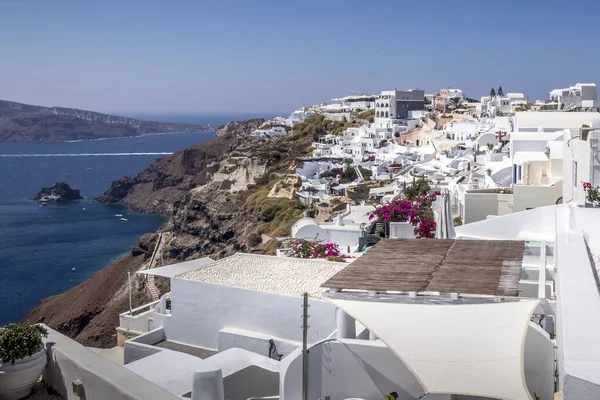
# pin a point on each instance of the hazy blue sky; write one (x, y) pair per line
(262, 56)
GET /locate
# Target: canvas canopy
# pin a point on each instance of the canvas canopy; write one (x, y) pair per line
(468, 349)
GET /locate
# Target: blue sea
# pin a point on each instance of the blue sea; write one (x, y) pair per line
(47, 250)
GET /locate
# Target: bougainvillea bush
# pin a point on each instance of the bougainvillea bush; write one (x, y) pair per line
(396, 211)
(592, 194)
(417, 211)
(302, 248)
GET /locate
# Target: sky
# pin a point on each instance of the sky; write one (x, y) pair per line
(225, 56)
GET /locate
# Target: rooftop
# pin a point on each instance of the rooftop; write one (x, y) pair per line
(279, 275)
(478, 267)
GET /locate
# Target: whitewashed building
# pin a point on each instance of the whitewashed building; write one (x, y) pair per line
(579, 96)
(501, 104)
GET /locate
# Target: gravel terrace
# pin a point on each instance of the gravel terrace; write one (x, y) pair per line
(280, 275)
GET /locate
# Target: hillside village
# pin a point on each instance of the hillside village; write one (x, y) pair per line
(432, 246)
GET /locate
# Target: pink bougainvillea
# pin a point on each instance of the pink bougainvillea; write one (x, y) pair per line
(416, 211)
(425, 229)
(396, 211)
(592, 194)
(302, 248)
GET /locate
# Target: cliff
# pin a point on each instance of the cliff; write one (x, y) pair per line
(240, 128)
(23, 122)
(222, 195)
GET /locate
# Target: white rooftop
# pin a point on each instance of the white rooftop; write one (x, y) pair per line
(557, 120)
(280, 275)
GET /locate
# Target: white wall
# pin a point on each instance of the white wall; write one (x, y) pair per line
(577, 290)
(350, 368)
(343, 237)
(485, 138)
(310, 168)
(478, 206)
(577, 153)
(102, 379)
(402, 230)
(539, 362)
(200, 310)
(530, 196)
(232, 338)
(539, 222)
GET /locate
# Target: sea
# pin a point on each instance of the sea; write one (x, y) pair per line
(48, 250)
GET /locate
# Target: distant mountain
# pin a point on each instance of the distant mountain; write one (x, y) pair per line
(23, 122)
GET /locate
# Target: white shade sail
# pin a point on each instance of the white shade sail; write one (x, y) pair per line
(468, 349)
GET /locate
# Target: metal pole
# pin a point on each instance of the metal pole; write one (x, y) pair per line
(305, 346)
(129, 283)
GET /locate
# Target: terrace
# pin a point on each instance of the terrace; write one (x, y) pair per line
(436, 312)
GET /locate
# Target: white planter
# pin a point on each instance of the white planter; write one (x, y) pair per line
(16, 380)
(401, 230)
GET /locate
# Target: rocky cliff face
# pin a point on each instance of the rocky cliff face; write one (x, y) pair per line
(240, 128)
(217, 194)
(23, 122)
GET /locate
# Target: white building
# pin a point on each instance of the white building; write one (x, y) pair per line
(396, 104)
(548, 163)
(579, 96)
(274, 131)
(501, 104)
(345, 230)
(357, 102)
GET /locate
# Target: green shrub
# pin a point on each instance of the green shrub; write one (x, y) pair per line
(254, 240)
(368, 115)
(366, 173)
(18, 341)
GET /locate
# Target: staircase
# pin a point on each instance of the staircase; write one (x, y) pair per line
(156, 258)
(152, 289)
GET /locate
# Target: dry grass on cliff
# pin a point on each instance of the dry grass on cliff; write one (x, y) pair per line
(278, 214)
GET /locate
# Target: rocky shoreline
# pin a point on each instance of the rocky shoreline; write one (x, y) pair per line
(216, 195)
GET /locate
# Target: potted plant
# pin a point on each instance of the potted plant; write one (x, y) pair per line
(22, 359)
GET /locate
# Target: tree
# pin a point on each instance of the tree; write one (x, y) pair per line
(492, 93)
(500, 91)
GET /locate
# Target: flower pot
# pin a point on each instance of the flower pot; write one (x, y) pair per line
(16, 380)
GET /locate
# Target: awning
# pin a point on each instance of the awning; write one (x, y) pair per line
(173, 270)
(468, 349)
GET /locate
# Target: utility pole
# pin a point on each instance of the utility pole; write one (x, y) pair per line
(305, 327)
(129, 284)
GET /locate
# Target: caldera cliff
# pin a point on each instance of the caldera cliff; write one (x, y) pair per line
(24, 122)
(232, 193)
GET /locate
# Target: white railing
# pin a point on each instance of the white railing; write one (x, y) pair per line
(138, 319)
(149, 306)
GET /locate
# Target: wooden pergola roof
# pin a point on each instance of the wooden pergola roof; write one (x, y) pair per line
(484, 267)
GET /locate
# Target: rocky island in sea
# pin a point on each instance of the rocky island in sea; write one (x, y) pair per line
(59, 193)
